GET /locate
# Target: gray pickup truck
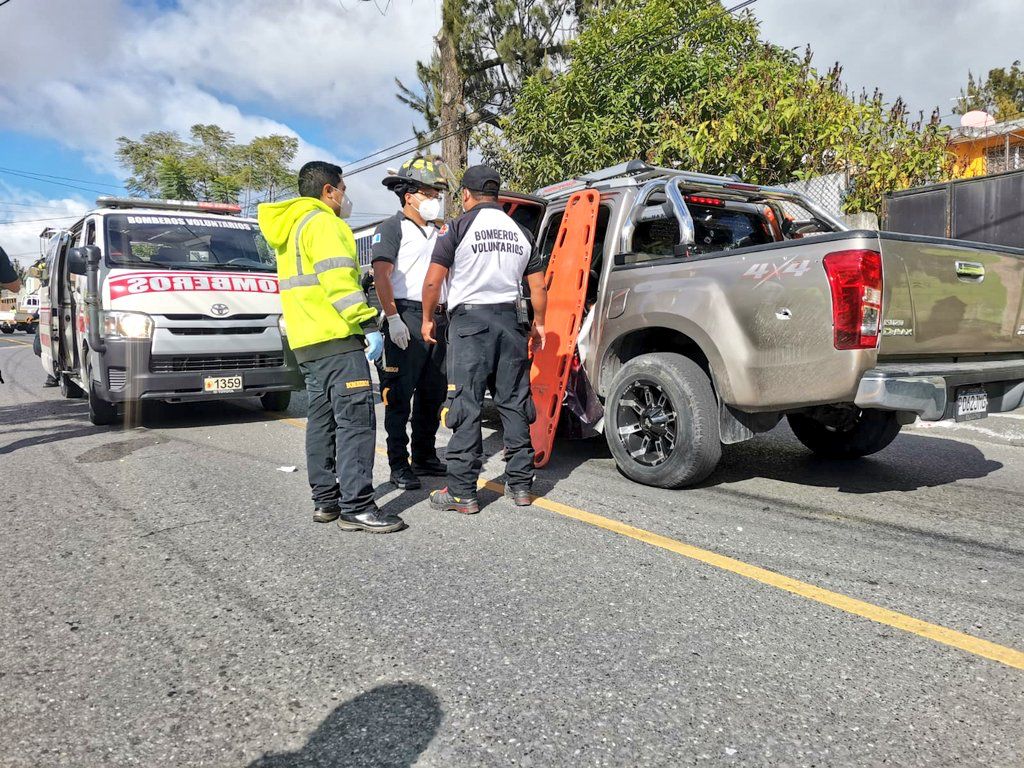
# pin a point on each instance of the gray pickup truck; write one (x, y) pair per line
(715, 308)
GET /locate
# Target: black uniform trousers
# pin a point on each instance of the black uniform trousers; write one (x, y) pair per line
(413, 382)
(485, 342)
(341, 431)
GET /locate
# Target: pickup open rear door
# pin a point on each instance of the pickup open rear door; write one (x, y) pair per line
(525, 210)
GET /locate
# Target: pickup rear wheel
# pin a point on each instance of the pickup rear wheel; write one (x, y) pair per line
(868, 432)
(661, 421)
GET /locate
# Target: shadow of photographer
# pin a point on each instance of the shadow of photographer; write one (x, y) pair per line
(387, 727)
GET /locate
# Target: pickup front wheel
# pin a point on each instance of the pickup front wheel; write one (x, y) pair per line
(661, 421)
(859, 435)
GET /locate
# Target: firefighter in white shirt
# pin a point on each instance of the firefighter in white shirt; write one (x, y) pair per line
(483, 255)
(412, 372)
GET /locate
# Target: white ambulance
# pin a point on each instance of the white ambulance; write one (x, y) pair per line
(164, 300)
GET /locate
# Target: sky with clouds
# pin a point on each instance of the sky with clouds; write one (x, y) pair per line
(79, 73)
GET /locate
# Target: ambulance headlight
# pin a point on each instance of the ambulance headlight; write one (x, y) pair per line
(281, 326)
(127, 325)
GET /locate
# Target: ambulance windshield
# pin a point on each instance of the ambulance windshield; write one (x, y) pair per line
(184, 242)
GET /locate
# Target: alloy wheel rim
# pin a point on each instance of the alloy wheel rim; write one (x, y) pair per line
(647, 423)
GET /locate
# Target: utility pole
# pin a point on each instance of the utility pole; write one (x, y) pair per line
(453, 122)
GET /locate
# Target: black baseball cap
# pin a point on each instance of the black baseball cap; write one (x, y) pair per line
(481, 178)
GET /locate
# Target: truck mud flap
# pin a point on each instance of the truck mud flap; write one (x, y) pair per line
(566, 280)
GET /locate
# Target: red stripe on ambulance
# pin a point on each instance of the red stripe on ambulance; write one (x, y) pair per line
(130, 285)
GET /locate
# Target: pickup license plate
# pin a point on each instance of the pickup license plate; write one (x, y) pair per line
(226, 384)
(971, 404)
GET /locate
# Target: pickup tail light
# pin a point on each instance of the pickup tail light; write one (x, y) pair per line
(701, 200)
(855, 278)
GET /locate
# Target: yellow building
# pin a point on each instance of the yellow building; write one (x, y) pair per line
(992, 149)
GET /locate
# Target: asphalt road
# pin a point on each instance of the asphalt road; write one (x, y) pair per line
(168, 601)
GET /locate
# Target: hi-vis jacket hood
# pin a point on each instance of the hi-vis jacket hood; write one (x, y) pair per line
(278, 220)
(325, 310)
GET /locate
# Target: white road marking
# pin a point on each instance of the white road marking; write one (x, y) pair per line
(1010, 435)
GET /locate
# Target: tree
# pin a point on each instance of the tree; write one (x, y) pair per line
(210, 166)
(485, 51)
(682, 82)
(1001, 93)
(20, 270)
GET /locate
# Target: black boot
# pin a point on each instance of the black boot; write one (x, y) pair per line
(326, 514)
(403, 477)
(430, 467)
(371, 520)
(445, 500)
(521, 497)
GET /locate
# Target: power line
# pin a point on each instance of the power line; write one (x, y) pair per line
(4, 2)
(55, 183)
(426, 144)
(51, 218)
(32, 205)
(63, 178)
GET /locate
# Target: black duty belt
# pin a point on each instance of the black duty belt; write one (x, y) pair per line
(503, 307)
(410, 304)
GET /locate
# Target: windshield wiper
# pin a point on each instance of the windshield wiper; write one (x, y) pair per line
(154, 263)
(253, 266)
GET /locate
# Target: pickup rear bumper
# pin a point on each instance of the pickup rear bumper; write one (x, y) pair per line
(929, 389)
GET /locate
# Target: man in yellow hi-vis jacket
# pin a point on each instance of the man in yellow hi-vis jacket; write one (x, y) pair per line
(329, 323)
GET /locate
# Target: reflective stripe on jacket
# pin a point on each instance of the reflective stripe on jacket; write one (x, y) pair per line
(325, 309)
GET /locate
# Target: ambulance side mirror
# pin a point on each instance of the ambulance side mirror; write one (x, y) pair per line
(79, 259)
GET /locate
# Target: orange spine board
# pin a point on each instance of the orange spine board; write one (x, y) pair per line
(566, 280)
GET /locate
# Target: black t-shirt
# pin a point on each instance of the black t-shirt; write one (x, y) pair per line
(7, 273)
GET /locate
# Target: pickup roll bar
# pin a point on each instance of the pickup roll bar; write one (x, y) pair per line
(682, 214)
(672, 188)
(636, 172)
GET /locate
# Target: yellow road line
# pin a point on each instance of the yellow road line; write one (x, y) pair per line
(19, 343)
(964, 642)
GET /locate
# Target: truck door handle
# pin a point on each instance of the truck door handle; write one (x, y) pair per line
(970, 271)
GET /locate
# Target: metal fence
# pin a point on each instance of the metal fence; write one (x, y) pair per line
(828, 192)
(984, 209)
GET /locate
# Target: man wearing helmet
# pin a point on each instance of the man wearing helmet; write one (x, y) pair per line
(412, 372)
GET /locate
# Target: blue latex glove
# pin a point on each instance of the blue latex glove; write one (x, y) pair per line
(374, 346)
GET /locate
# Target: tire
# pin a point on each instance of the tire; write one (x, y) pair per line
(7, 329)
(276, 402)
(101, 412)
(679, 421)
(872, 432)
(68, 389)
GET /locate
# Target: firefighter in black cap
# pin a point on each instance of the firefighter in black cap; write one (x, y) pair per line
(412, 372)
(483, 255)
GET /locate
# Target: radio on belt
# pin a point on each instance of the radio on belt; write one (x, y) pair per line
(522, 312)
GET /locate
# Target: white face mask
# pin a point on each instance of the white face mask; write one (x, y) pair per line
(430, 208)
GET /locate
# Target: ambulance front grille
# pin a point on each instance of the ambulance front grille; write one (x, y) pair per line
(232, 331)
(192, 363)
